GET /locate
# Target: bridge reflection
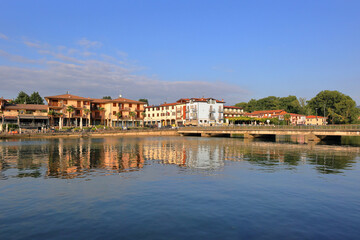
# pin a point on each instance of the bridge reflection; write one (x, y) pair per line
(72, 158)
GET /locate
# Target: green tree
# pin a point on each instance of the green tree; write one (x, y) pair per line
(338, 107)
(52, 114)
(70, 109)
(35, 98)
(107, 97)
(243, 105)
(144, 100)
(290, 104)
(287, 118)
(119, 115)
(87, 112)
(102, 111)
(132, 115)
(22, 98)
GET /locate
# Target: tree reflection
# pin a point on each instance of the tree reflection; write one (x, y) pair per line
(72, 158)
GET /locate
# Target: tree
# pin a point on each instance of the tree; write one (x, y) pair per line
(52, 114)
(119, 115)
(22, 98)
(102, 110)
(287, 118)
(106, 97)
(144, 100)
(87, 112)
(70, 109)
(338, 107)
(243, 105)
(132, 115)
(290, 104)
(35, 98)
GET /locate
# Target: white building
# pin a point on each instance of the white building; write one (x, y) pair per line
(204, 112)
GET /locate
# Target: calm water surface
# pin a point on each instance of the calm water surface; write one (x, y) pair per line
(178, 188)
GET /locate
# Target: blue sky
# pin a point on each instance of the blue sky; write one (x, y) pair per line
(165, 50)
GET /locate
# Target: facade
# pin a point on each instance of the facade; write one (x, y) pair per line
(161, 115)
(204, 112)
(315, 120)
(68, 110)
(71, 110)
(117, 112)
(186, 111)
(24, 115)
(232, 111)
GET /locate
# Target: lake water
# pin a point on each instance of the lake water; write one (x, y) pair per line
(178, 188)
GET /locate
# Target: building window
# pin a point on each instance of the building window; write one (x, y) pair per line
(114, 112)
(153, 115)
(65, 101)
(148, 115)
(130, 104)
(114, 104)
(157, 114)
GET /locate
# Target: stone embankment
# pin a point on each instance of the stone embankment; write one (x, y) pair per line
(121, 133)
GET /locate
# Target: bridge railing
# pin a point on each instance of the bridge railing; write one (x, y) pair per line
(273, 127)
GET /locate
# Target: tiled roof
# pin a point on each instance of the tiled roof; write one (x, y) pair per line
(117, 100)
(26, 107)
(68, 96)
(233, 107)
(312, 116)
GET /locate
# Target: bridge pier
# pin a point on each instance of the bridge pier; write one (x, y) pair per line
(312, 138)
(248, 136)
(205, 135)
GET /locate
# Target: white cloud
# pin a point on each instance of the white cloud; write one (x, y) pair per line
(60, 70)
(88, 44)
(3, 36)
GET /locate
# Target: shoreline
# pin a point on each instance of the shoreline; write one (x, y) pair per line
(92, 135)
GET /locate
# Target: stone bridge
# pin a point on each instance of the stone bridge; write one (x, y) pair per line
(311, 133)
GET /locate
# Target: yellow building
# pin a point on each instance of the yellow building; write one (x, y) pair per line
(71, 110)
(315, 120)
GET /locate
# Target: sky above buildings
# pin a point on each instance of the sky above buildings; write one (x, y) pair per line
(165, 50)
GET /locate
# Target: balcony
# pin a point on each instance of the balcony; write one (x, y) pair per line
(56, 105)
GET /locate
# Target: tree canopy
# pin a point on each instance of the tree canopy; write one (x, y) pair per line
(290, 104)
(107, 97)
(338, 107)
(144, 100)
(24, 98)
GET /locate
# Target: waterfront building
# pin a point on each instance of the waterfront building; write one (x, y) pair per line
(204, 112)
(315, 120)
(161, 115)
(32, 116)
(232, 111)
(68, 110)
(74, 110)
(117, 112)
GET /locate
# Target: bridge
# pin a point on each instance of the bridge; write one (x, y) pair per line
(310, 133)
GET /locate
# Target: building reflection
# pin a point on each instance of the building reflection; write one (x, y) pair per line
(71, 158)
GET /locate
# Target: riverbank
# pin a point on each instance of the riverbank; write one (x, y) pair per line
(121, 133)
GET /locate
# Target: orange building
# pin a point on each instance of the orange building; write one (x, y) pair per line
(71, 110)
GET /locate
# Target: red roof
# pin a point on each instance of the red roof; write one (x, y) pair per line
(312, 116)
(233, 107)
(26, 107)
(68, 96)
